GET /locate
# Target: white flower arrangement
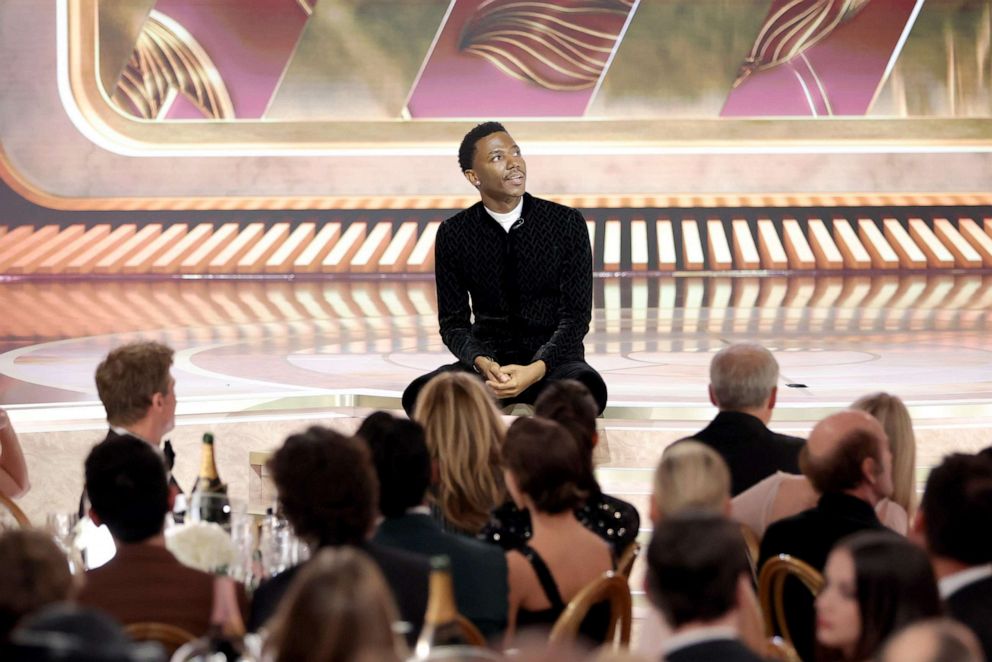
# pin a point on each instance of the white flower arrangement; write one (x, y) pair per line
(205, 546)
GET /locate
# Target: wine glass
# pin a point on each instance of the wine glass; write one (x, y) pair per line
(62, 528)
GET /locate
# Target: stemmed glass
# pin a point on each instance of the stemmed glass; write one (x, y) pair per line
(63, 529)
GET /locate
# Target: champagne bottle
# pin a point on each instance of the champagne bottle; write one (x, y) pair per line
(441, 626)
(208, 499)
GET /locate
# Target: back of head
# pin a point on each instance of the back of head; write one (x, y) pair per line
(957, 509)
(128, 488)
(742, 376)
(547, 464)
(129, 376)
(337, 608)
(695, 561)
(891, 412)
(570, 404)
(834, 454)
(933, 640)
(401, 460)
(33, 573)
(71, 633)
(895, 586)
(327, 486)
(691, 476)
(464, 433)
(466, 151)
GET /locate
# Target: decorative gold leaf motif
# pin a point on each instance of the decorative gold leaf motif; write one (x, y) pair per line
(166, 61)
(557, 45)
(794, 28)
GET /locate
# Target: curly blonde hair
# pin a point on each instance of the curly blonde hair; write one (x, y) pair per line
(465, 435)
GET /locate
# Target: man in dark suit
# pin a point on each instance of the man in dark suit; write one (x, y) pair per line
(955, 524)
(128, 489)
(848, 460)
(329, 492)
(403, 465)
(138, 392)
(698, 577)
(743, 386)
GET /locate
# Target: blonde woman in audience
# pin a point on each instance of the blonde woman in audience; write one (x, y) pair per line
(464, 433)
(338, 609)
(691, 476)
(544, 473)
(13, 469)
(782, 495)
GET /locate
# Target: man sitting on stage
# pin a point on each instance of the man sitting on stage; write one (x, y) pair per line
(514, 280)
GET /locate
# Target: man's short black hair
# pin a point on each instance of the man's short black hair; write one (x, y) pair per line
(327, 486)
(695, 561)
(957, 509)
(401, 459)
(128, 487)
(466, 151)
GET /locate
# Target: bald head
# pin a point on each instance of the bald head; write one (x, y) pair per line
(848, 451)
(936, 640)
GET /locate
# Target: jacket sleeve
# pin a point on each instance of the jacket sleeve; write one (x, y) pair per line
(575, 292)
(453, 310)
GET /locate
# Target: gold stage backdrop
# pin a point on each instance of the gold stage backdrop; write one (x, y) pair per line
(311, 104)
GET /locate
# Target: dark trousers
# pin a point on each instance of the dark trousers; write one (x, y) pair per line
(577, 370)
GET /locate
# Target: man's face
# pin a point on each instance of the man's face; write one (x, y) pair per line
(168, 407)
(498, 171)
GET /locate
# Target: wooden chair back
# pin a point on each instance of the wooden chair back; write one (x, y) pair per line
(610, 587)
(170, 636)
(16, 514)
(771, 583)
(471, 633)
(626, 562)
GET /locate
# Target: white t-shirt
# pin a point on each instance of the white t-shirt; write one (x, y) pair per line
(509, 218)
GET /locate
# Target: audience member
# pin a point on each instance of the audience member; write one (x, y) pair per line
(544, 468)
(33, 573)
(782, 495)
(933, 640)
(70, 633)
(128, 489)
(848, 461)
(329, 492)
(403, 466)
(464, 434)
(743, 380)
(138, 393)
(13, 469)
(698, 578)
(569, 403)
(337, 608)
(691, 477)
(955, 523)
(875, 584)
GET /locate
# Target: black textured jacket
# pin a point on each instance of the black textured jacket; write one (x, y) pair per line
(529, 289)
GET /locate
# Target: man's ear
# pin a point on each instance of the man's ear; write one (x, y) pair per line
(918, 529)
(869, 470)
(94, 517)
(595, 439)
(472, 178)
(772, 397)
(158, 400)
(713, 397)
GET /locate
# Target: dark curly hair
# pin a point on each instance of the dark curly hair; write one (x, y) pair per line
(466, 151)
(547, 464)
(327, 486)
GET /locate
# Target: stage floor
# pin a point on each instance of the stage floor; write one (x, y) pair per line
(352, 341)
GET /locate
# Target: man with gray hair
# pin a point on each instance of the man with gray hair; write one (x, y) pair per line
(743, 386)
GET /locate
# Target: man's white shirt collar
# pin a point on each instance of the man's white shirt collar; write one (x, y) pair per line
(509, 218)
(953, 583)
